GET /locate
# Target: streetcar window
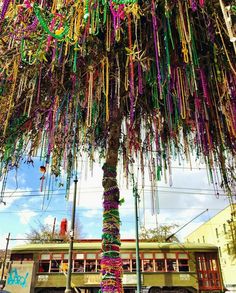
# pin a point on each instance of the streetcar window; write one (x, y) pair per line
(79, 266)
(91, 256)
(171, 265)
(124, 255)
(148, 265)
(126, 265)
(98, 265)
(90, 266)
(66, 256)
(64, 266)
(79, 256)
(171, 255)
(183, 262)
(159, 265)
(182, 256)
(22, 257)
(171, 262)
(159, 255)
(56, 256)
(45, 256)
(55, 265)
(133, 265)
(44, 266)
(183, 265)
(147, 256)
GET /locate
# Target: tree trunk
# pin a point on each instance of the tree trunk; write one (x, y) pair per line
(111, 263)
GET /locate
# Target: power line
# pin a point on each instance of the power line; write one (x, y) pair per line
(100, 188)
(100, 209)
(170, 192)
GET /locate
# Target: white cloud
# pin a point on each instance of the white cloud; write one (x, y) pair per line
(49, 220)
(93, 213)
(26, 215)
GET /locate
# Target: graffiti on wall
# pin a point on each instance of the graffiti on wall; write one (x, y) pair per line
(14, 279)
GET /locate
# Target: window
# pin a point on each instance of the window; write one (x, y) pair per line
(171, 262)
(228, 249)
(224, 228)
(79, 256)
(22, 257)
(148, 265)
(45, 256)
(147, 262)
(56, 262)
(183, 262)
(64, 266)
(217, 233)
(126, 265)
(55, 266)
(183, 265)
(79, 266)
(126, 261)
(133, 262)
(159, 262)
(220, 253)
(203, 239)
(44, 263)
(90, 266)
(160, 265)
(90, 263)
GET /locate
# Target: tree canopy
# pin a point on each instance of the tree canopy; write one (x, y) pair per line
(167, 68)
(45, 233)
(159, 234)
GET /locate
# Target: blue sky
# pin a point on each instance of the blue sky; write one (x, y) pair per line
(189, 195)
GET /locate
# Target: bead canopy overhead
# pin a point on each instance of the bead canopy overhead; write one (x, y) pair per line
(70, 67)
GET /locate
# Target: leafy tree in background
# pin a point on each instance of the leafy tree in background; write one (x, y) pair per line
(41, 233)
(159, 234)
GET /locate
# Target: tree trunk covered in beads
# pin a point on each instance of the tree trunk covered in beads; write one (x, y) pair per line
(111, 263)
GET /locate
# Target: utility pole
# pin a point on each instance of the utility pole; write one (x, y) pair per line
(53, 227)
(72, 230)
(138, 271)
(4, 261)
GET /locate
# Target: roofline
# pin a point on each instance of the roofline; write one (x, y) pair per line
(130, 244)
(221, 211)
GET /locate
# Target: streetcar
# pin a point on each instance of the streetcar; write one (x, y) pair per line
(165, 267)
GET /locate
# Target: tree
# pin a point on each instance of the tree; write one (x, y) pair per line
(43, 233)
(159, 234)
(46, 233)
(143, 81)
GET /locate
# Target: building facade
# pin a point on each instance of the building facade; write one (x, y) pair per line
(220, 230)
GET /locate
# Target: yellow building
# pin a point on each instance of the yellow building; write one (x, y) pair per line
(221, 231)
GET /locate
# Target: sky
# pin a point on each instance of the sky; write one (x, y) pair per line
(190, 195)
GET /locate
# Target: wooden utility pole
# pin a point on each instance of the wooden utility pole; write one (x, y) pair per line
(4, 260)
